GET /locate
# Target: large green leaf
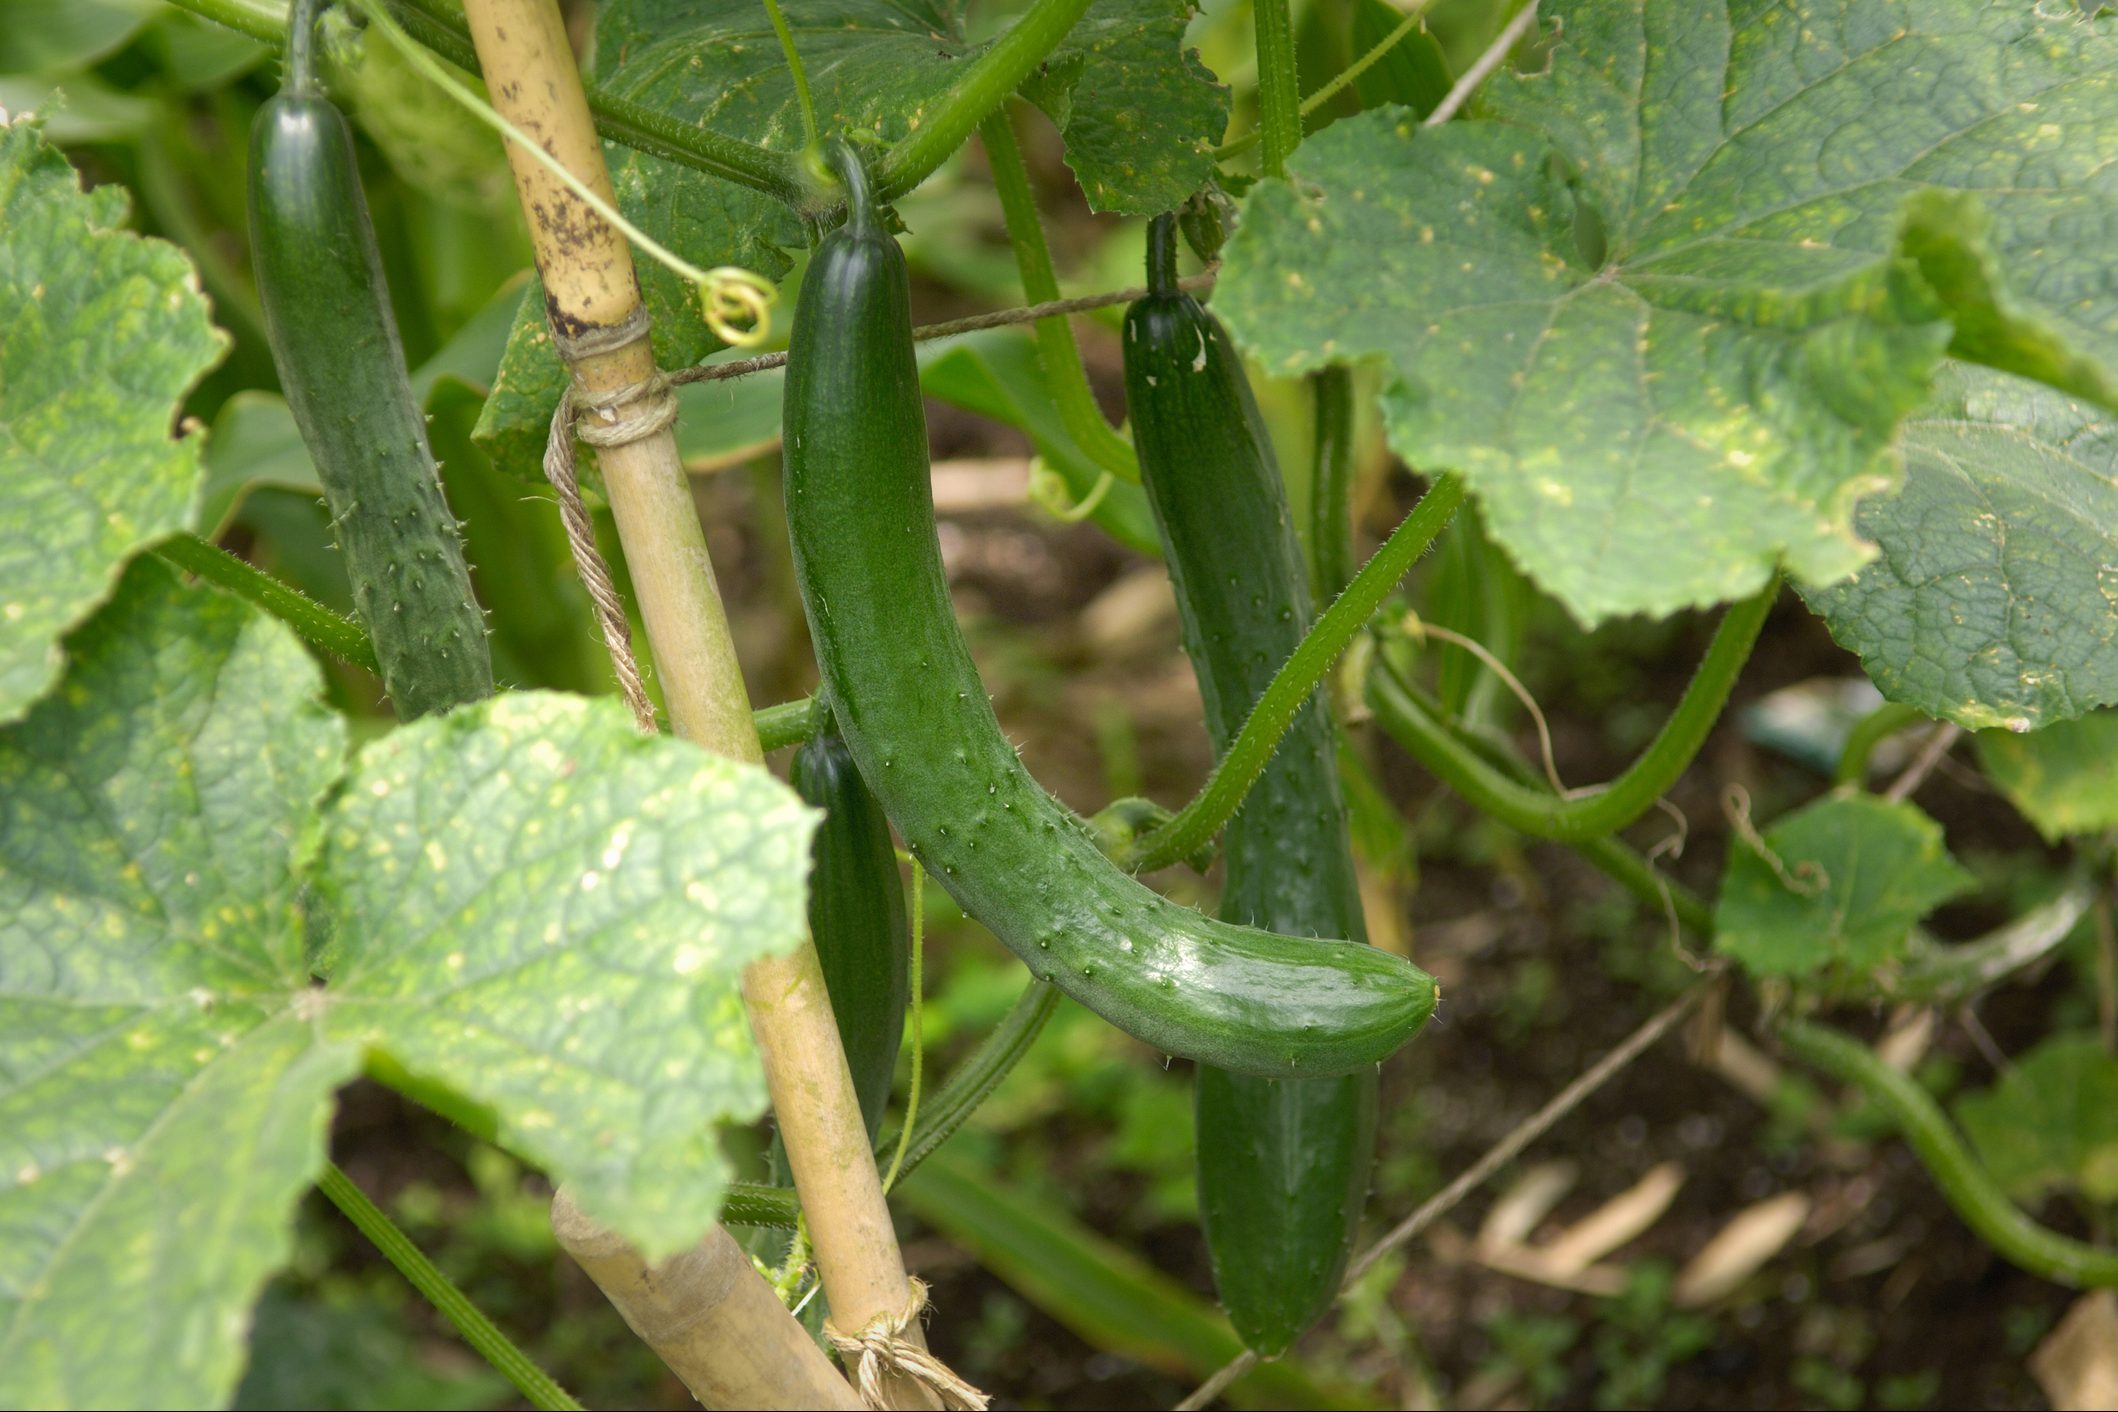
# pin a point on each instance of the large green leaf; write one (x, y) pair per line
(104, 334)
(1829, 895)
(523, 902)
(1667, 313)
(1139, 114)
(1994, 601)
(2051, 1122)
(2064, 778)
(163, 1085)
(533, 905)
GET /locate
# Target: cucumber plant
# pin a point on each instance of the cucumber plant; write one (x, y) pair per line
(1691, 304)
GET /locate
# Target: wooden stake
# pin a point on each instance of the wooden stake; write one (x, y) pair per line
(710, 1316)
(593, 303)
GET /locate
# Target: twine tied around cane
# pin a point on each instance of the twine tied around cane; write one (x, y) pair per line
(881, 1348)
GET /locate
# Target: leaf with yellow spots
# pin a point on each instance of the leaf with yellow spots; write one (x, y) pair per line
(1994, 599)
(1828, 897)
(1666, 310)
(163, 1095)
(104, 334)
(535, 906)
(527, 904)
(2064, 778)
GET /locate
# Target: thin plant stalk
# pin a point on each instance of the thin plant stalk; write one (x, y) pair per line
(1197, 822)
(978, 92)
(1580, 814)
(1967, 1185)
(536, 1386)
(1056, 351)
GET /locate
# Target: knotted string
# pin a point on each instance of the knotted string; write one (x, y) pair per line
(881, 1348)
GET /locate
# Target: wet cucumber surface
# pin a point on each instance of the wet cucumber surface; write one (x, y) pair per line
(915, 715)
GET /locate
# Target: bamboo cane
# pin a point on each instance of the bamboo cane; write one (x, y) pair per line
(593, 302)
(710, 1316)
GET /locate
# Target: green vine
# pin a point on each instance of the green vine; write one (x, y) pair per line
(312, 621)
(1331, 485)
(1237, 146)
(1279, 87)
(1056, 350)
(1543, 814)
(978, 92)
(479, 1332)
(1968, 1187)
(1870, 731)
(1197, 822)
(812, 141)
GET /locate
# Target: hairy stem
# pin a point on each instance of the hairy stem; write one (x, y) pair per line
(437, 1289)
(977, 92)
(1331, 484)
(1279, 89)
(1969, 1188)
(1056, 350)
(312, 621)
(1331, 90)
(1541, 813)
(1247, 755)
(1406, 713)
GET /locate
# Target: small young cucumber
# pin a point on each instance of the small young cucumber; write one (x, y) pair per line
(856, 916)
(334, 341)
(1283, 1165)
(917, 720)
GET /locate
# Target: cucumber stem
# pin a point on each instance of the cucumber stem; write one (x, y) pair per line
(1198, 821)
(1237, 146)
(301, 47)
(1964, 1182)
(810, 140)
(1162, 255)
(485, 1339)
(1057, 352)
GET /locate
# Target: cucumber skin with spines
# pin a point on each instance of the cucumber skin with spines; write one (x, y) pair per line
(1282, 1164)
(856, 917)
(915, 715)
(341, 366)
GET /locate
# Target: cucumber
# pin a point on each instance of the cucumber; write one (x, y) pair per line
(916, 717)
(1283, 1164)
(341, 365)
(856, 916)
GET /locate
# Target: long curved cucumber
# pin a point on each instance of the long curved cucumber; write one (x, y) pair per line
(1282, 1164)
(856, 916)
(341, 365)
(916, 717)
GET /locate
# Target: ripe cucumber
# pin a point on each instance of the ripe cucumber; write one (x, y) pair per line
(1283, 1164)
(857, 917)
(916, 717)
(341, 365)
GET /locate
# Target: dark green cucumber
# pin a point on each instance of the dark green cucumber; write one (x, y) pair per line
(856, 916)
(1283, 1163)
(334, 341)
(916, 717)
